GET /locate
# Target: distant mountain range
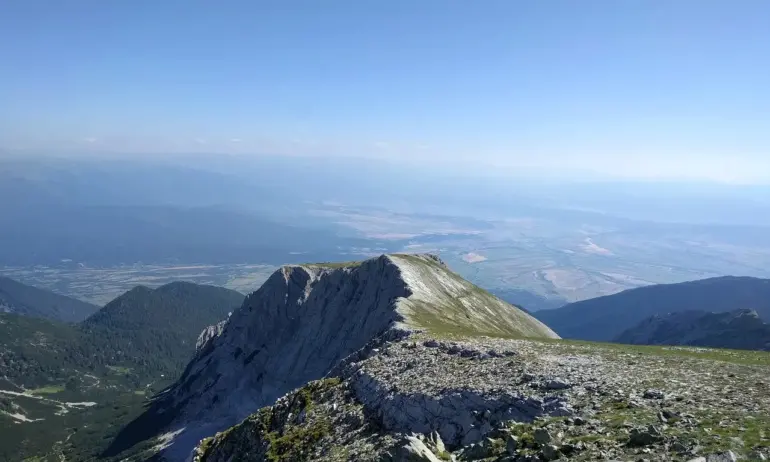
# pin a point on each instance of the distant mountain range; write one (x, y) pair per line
(19, 298)
(605, 318)
(739, 329)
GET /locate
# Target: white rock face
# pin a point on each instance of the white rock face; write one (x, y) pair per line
(208, 335)
(303, 321)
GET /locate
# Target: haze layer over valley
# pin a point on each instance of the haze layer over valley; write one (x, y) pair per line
(539, 244)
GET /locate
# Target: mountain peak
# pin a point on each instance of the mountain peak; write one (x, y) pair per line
(303, 321)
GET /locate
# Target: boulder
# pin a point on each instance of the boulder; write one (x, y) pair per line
(414, 450)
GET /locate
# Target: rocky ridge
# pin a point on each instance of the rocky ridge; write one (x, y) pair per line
(415, 397)
(301, 324)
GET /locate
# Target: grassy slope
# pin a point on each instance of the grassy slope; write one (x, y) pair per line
(444, 302)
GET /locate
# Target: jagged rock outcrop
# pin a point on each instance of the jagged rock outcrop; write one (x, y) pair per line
(208, 335)
(487, 399)
(740, 329)
(302, 323)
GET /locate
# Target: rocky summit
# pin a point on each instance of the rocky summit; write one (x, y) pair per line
(304, 324)
(418, 398)
(399, 359)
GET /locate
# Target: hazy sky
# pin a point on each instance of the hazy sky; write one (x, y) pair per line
(624, 88)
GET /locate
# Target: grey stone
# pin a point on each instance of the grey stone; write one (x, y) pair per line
(542, 436)
(511, 444)
(550, 452)
(475, 451)
(494, 354)
(568, 449)
(652, 393)
(469, 353)
(528, 458)
(670, 415)
(557, 384)
(644, 437)
(727, 456)
(677, 446)
(207, 336)
(414, 450)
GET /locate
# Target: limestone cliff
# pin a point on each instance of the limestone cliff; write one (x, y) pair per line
(300, 324)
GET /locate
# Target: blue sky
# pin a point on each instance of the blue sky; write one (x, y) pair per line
(654, 89)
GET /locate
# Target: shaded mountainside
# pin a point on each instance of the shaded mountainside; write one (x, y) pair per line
(740, 329)
(150, 332)
(19, 298)
(135, 345)
(604, 318)
(300, 324)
